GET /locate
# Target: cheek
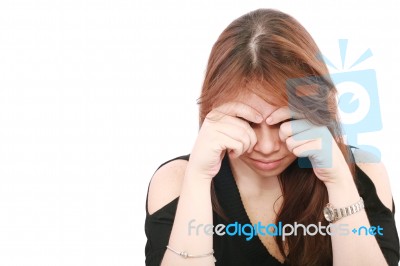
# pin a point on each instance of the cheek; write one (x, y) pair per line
(291, 157)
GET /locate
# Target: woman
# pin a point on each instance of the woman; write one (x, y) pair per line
(269, 152)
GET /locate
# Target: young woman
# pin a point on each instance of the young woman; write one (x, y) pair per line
(270, 152)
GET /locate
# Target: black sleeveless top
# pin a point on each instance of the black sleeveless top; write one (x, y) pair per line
(236, 250)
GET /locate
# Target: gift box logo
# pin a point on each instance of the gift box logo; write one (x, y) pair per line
(358, 102)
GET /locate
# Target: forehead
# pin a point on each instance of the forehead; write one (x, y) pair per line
(256, 102)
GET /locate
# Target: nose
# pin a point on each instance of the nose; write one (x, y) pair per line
(268, 140)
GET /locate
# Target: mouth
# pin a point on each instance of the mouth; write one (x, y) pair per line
(266, 161)
(266, 164)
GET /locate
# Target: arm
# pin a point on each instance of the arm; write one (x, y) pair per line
(305, 139)
(354, 249)
(194, 204)
(222, 131)
(167, 184)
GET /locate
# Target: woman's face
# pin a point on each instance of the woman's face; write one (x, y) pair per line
(270, 156)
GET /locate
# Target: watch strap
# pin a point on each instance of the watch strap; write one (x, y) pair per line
(340, 213)
(349, 210)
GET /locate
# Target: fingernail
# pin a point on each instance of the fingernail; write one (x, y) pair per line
(259, 118)
(269, 120)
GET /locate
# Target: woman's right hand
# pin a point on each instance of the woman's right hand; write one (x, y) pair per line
(225, 128)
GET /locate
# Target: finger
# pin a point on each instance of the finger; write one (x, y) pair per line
(232, 146)
(237, 133)
(241, 110)
(294, 144)
(244, 125)
(253, 140)
(319, 154)
(307, 149)
(315, 143)
(295, 127)
(282, 114)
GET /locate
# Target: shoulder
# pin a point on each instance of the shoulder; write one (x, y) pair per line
(165, 184)
(372, 166)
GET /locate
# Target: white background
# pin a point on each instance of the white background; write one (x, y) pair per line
(95, 94)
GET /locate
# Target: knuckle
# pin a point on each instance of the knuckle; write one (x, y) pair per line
(243, 134)
(239, 148)
(214, 116)
(210, 117)
(282, 135)
(285, 127)
(295, 151)
(253, 139)
(290, 143)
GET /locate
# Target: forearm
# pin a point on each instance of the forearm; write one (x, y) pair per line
(194, 208)
(352, 249)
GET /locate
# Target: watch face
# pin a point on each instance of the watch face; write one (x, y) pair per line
(328, 213)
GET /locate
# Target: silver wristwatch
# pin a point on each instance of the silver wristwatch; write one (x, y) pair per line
(334, 214)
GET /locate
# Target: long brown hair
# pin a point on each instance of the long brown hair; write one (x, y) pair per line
(271, 49)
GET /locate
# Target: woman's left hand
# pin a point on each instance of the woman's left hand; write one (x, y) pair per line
(305, 139)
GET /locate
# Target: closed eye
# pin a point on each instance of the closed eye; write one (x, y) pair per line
(252, 124)
(284, 121)
(287, 120)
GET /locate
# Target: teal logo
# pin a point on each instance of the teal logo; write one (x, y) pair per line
(358, 103)
(358, 98)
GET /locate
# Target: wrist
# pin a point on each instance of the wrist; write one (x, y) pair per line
(343, 179)
(342, 193)
(343, 190)
(193, 176)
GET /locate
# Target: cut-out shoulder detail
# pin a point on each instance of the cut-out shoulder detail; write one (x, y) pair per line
(165, 185)
(376, 171)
